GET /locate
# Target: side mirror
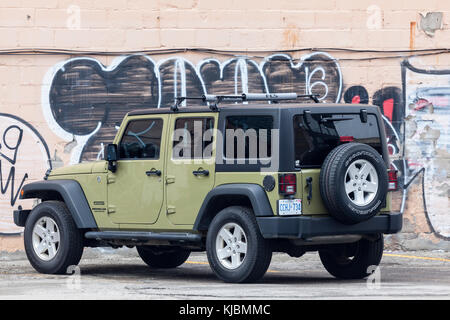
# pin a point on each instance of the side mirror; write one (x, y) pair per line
(111, 156)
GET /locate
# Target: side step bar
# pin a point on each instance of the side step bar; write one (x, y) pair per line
(143, 236)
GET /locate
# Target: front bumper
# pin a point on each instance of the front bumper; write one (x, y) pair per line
(20, 217)
(304, 227)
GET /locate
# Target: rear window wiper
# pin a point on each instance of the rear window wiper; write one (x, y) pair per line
(334, 119)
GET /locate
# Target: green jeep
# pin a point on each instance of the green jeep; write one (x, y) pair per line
(239, 180)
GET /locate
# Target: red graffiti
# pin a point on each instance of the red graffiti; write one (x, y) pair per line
(356, 99)
(388, 108)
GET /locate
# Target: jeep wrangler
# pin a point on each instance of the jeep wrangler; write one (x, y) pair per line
(239, 180)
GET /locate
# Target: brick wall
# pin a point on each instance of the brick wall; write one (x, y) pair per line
(403, 85)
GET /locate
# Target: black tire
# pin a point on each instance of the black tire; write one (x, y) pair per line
(353, 261)
(163, 258)
(332, 183)
(258, 254)
(70, 246)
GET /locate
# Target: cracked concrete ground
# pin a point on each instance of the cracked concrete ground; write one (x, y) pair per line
(120, 274)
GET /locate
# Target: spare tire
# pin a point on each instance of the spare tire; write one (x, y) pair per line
(353, 182)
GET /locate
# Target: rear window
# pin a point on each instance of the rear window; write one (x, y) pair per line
(316, 135)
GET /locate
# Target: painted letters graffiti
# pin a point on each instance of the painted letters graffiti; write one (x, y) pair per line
(83, 101)
(24, 155)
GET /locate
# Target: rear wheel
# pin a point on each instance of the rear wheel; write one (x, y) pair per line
(236, 250)
(52, 240)
(353, 261)
(163, 258)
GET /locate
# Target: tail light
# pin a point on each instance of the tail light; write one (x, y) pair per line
(287, 184)
(346, 138)
(393, 181)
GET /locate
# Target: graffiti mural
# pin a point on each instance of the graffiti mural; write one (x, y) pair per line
(427, 138)
(84, 101)
(24, 156)
(418, 132)
(356, 94)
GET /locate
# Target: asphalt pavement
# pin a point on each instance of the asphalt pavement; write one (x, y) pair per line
(120, 274)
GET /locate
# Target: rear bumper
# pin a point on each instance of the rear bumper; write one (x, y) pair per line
(303, 227)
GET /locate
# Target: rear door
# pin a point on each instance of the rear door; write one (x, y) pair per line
(316, 135)
(190, 169)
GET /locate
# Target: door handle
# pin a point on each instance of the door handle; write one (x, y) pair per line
(201, 172)
(153, 172)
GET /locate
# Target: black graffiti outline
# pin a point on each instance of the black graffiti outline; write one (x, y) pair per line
(19, 141)
(11, 177)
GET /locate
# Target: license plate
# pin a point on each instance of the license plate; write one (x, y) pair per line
(290, 207)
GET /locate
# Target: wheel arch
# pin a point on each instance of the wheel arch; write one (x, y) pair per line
(247, 195)
(67, 191)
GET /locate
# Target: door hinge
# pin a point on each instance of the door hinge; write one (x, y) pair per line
(111, 209)
(110, 179)
(171, 209)
(170, 179)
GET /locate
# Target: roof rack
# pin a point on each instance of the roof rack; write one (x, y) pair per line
(216, 99)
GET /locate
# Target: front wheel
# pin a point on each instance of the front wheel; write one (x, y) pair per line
(52, 240)
(236, 250)
(353, 261)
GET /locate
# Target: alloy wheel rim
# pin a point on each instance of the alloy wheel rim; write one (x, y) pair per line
(361, 182)
(46, 238)
(231, 246)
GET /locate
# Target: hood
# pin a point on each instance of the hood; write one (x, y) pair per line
(81, 168)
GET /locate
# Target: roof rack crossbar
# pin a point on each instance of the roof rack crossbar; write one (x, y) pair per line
(216, 99)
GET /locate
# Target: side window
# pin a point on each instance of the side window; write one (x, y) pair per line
(141, 140)
(248, 137)
(193, 138)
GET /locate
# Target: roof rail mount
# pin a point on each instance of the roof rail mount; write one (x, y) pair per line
(216, 99)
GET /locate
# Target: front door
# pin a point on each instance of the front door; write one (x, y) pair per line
(190, 165)
(136, 189)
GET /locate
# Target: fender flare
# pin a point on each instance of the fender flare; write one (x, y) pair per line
(254, 192)
(72, 194)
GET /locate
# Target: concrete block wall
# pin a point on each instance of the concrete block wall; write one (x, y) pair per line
(360, 53)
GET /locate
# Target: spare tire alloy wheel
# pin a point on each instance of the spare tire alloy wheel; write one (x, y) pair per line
(231, 246)
(46, 238)
(361, 182)
(353, 182)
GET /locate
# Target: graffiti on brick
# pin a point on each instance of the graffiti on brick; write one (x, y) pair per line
(24, 156)
(84, 101)
(417, 125)
(427, 138)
